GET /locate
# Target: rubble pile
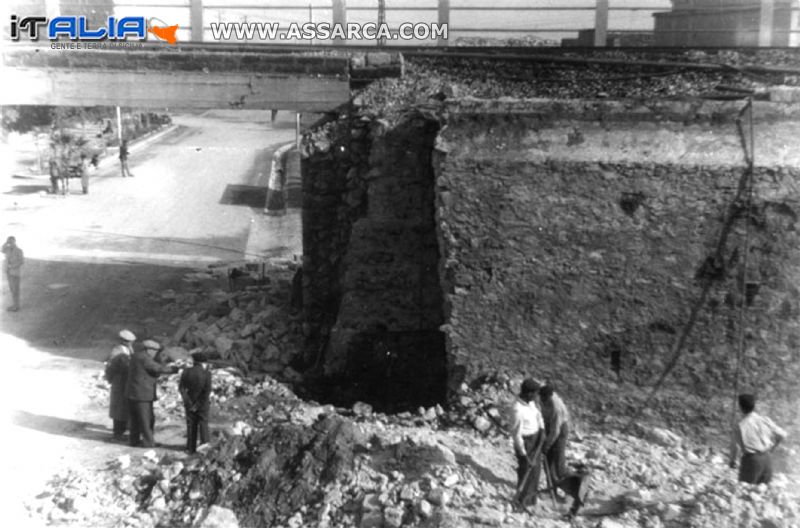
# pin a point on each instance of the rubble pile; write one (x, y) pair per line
(301, 464)
(485, 405)
(250, 329)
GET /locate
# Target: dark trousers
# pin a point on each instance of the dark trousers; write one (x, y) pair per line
(755, 468)
(142, 422)
(556, 455)
(120, 426)
(196, 420)
(14, 285)
(528, 489)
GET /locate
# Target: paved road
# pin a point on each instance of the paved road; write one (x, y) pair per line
(94, 261)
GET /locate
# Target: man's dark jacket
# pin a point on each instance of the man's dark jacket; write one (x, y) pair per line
(142, 376)
(195, 388)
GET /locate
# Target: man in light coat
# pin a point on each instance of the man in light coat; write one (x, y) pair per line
(527, 435)
(756, 437)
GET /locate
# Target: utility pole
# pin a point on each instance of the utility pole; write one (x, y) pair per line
(119, 125)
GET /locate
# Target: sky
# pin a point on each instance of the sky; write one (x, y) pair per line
(175, 11)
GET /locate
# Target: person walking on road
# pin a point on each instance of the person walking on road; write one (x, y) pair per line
(195, 389)
(116, 372)
(14, 259)
(527, 434)
(556, 424)
(123, 159)
(756, 436)
(141, 392)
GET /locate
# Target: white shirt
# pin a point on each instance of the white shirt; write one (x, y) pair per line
(527, 421)
(757, 434)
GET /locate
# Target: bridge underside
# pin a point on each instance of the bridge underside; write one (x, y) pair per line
(183, 79)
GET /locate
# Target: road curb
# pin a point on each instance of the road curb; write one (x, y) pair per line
(133, 146)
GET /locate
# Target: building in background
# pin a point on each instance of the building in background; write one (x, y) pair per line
(715, 23)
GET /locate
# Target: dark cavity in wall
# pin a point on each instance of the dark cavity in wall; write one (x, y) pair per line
(372, 296)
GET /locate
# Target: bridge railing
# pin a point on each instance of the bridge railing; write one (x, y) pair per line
(529, 22)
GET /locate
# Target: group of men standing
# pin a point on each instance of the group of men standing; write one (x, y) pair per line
(133, 372)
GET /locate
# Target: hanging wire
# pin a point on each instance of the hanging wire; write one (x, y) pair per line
(714, 263)
(750, 157)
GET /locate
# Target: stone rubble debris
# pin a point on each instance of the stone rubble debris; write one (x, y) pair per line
(287, 462)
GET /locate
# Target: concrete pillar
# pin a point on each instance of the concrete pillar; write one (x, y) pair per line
(444, 18)
(297, 130)
(340, 18)
(601, 23)
(119, 125)
(196, 20)
(381, 19)
(766, 23)
(311, 18)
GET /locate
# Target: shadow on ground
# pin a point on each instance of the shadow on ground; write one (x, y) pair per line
(75, 309)
(62, 426)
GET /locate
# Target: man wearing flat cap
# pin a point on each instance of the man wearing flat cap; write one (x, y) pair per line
(527, 433)
(195, 389)
(141, 392)
(116, 373)
(756, 436)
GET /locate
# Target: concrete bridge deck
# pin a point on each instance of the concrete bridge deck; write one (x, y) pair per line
(187, 77)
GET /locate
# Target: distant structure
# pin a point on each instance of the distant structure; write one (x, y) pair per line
(614, 39)
(722, 23)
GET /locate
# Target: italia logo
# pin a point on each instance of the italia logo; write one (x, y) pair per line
(77, 28)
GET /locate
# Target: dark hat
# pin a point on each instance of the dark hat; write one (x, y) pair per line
(546, 391)
(530, 386)
(747, 402)
(199, 357)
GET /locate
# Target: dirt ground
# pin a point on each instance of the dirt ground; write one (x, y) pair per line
(97, 263)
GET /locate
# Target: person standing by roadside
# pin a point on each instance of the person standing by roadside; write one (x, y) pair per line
(54, 169)
(13, 264)
(556, 424)
(141, 392)
(527, 434)
(116, 373)
(756, 436)
(195, 389)
(123, 159)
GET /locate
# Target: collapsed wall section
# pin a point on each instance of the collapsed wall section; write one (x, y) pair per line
(374, 303)
(572, 236)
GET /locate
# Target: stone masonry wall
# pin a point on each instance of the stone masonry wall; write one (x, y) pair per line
(569, 230)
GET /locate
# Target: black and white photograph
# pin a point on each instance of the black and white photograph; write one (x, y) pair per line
(400, 263)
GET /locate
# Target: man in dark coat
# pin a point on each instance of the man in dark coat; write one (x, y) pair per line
(141, 392)
(195, 389)
(556, 424)
(123, 159)
(116, 374)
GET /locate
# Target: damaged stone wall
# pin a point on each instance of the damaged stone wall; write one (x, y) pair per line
(572, 232)
(566, 244)
(374, 300)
